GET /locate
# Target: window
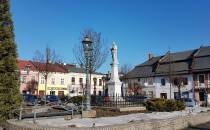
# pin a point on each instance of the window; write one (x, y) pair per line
(73, 80)
(144, 80)
(24, 79)
(100, 82)
(99, 93)
(62, 81)
(150, 94)
(201, 78)
(176, 95)
(52, 92)
(201, 95)
(150, 81)
(80, 80)
(95, 81)
(42, 80)
(138, 79)
(33, 78)
(27, 68)
(185, 82)
(53, 81)
(163, 82)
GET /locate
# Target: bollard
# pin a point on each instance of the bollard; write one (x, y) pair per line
(82, 106)
(20, 116)
(34, 120)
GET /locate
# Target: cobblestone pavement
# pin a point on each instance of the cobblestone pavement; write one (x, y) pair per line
(201, 127)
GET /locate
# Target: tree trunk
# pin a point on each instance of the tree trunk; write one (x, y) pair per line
(45, 102)
(179, 91)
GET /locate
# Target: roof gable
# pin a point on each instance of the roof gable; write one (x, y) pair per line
(203, 51)
(23, 64)
(178, 56)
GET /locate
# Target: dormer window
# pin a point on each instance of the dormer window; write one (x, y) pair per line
(27, 68)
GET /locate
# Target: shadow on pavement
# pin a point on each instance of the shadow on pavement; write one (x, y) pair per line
(197, 128)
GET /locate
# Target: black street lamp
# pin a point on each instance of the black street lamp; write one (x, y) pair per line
(87, 46)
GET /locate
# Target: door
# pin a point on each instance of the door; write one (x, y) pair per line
(41, 93)
(60, 93)
(163, 95)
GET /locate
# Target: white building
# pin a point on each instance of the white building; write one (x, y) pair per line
(77, 80)
(155, 76)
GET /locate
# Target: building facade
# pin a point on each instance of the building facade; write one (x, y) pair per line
(67, 80)
(77, 81)
(155, 76)
(28, 73)
(56, 84)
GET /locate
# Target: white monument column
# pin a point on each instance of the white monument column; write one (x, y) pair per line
(114, 84)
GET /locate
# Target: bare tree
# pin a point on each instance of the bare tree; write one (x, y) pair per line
(44, 63)
(99, 52)
(135, 88)
(31, 86)
(124, 69)
(179, 82)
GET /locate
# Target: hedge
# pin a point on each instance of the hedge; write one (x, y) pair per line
(158, 104)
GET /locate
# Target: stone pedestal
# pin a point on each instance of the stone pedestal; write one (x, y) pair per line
(89, 114)
(114, 88)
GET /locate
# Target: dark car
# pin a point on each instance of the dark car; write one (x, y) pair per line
(53, 99)
(189, 102)
(30, 99)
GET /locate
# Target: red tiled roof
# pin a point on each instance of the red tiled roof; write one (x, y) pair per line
(51, 67)
(22, 64)
(36, 66)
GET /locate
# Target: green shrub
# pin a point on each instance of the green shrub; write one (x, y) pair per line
(77, 99)
(158, 104)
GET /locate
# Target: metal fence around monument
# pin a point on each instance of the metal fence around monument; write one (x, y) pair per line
(117, 101)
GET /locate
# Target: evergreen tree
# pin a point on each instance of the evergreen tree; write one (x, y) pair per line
(10, 98)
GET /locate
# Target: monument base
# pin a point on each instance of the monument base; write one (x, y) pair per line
(89, 114)
(114, 89)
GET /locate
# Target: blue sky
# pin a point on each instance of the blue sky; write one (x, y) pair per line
(137, 26)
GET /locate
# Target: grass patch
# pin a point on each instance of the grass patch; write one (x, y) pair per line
(107, 112)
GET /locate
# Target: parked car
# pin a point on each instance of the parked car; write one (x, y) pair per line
(189, 102)
(53, 99)
(29, 99)
(145, 98)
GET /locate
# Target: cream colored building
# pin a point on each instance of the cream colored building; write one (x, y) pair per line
(77, 81)
(56, 84)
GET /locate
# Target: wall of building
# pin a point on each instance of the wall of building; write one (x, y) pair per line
(146, 85)
(57, 86)
(26, 77)
(159, 88)
(77, 88)
(152, 86)
(201, 88)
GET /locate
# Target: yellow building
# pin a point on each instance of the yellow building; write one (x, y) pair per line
(56, 82)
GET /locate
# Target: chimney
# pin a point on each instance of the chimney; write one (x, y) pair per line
(150, 56)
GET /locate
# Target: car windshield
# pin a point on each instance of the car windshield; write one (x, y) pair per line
(188, 100)
(52, 97)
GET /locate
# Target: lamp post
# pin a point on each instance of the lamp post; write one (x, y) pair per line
(103, 80)
(87, 46)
